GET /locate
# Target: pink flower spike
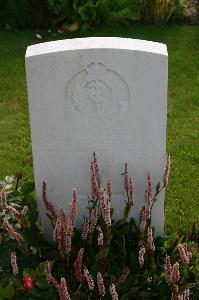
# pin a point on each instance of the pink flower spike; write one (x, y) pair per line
(100, 284)
(124, 275)
(73, 206)
(94, 182)
(186, 294)
(63, 291)
(126, 179)
(149, 202)
(86, 227)
(109, 188)
(143, 219)
(185, 255)
(141, 256)
(167, 170)
(15, 269)
(113, 292)
(11, 232)
(63, 231)
(49, 277)
(78, 265)
(175, 273)
(49, 205)
(96, 169)
(175, 293)
(100, 238)
(24, 211)
(3, 199)
(107, 213)
(168, 269)
(89, 279)
(94, 218)
(131, 191)
(150, 243)
(149, 184)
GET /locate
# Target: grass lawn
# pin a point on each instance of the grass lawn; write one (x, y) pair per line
(183, 111)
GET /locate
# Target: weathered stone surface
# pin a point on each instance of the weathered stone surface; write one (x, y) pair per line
(102, 94)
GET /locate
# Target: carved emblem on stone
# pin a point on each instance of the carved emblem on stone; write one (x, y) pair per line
(97, 91)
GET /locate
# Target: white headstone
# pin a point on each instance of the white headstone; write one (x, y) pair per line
(107, 95)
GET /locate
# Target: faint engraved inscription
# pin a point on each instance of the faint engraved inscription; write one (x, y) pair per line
(98, 91)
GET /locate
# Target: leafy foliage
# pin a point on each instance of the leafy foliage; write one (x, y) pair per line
(84, 14)
(115, 254)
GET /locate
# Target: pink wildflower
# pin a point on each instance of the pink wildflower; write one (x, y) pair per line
(100, 237)
(185, 255)
(63, 291)
(89, 279)
(168, 269)
(58, 230)
(100, 284)
(124, 275)
(126, 179)
(11, 232)
(94, 218)
(8, 208)
(130, 192)
(68, 234)
(96, 168)
(15, 269)
(24, 211)
(94, 182)
(175, 273)
(113, 292)
(49, 206)
(175, 292)
(105, 208)
(86, 228)
(149, 185)
(186, 294)
(73, 206)
(63, 231)
(167, 170)
(109, 188)
(148, 200)
(141, 255)
(3, 199)
(11, 210)
(49, 277)
(78, 265)
(107, 213)
(150, 243)
(143, 219)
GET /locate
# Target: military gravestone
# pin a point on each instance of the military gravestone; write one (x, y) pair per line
(107, 95)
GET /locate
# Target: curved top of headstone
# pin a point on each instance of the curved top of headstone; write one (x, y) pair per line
(96, 43)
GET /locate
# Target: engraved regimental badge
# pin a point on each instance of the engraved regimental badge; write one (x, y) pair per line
(98, 92)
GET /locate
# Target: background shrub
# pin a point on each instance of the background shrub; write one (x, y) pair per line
(85, 14)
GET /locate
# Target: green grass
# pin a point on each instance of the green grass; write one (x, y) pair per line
(183, 111)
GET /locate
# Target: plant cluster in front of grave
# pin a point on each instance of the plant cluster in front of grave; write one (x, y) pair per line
(106, 259)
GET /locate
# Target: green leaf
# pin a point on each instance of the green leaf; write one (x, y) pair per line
(87, 13)
(28, 187)
(40, 270)
(29, 272)
(42, 283)
(167, 244)
(9, 291)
